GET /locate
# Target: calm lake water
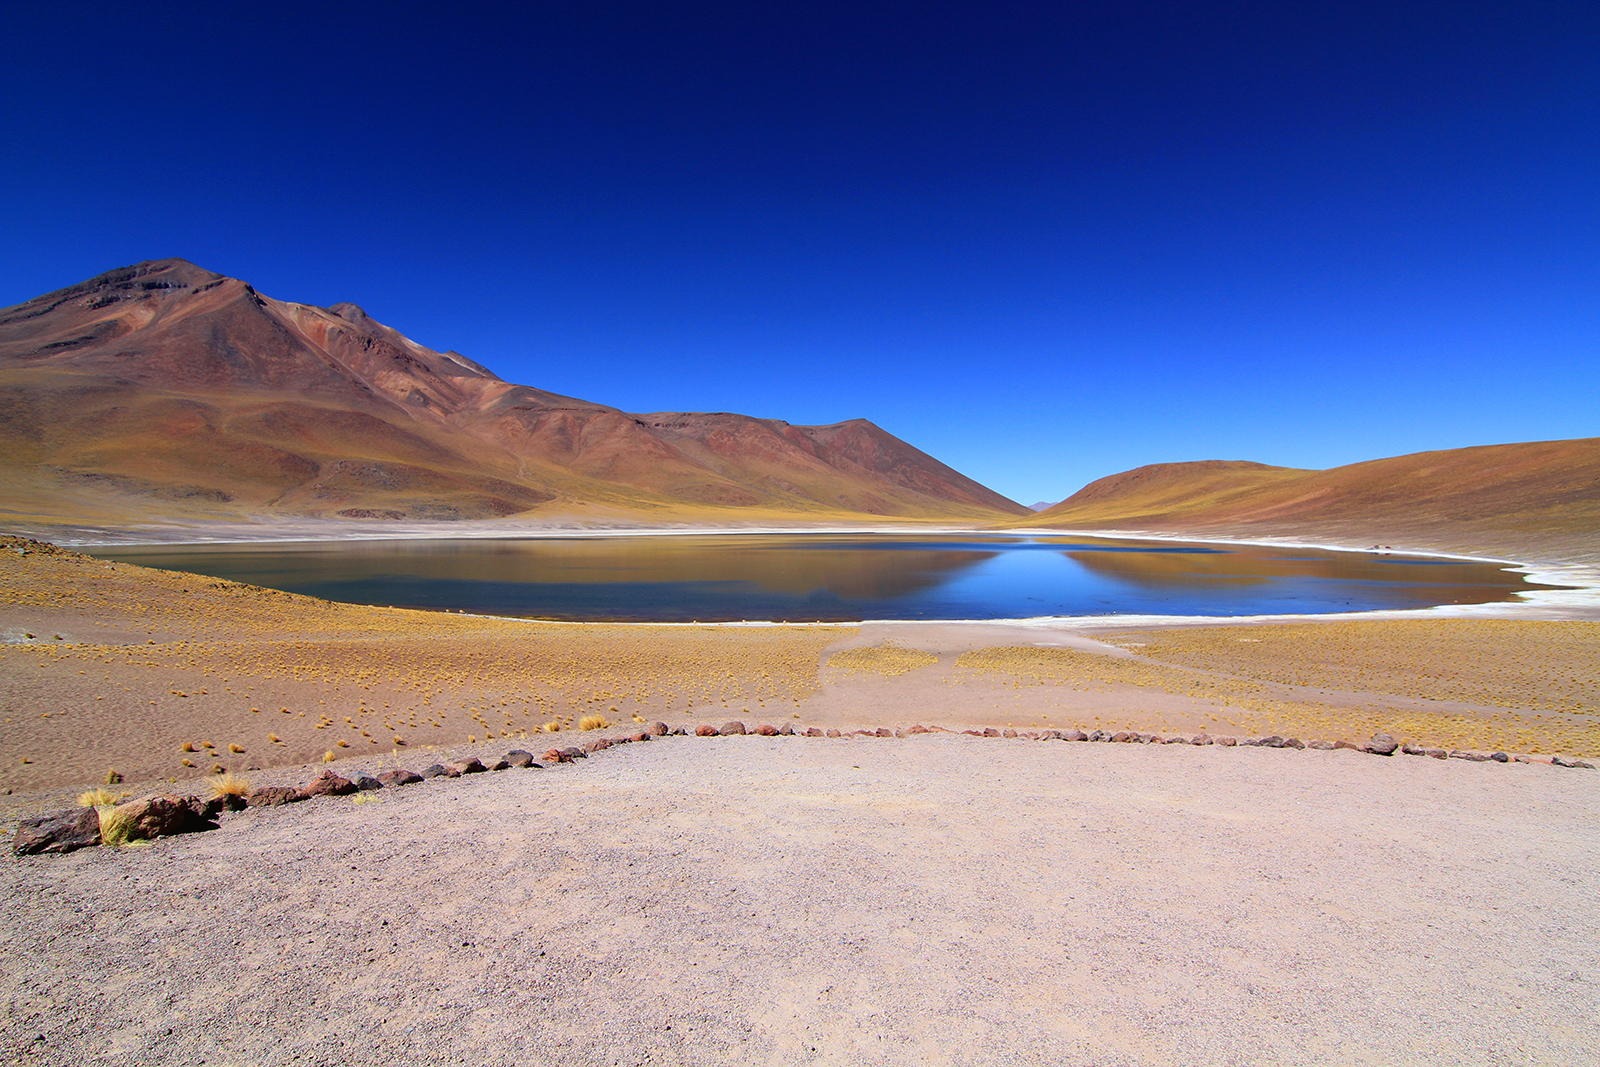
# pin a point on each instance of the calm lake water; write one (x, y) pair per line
(827, 577)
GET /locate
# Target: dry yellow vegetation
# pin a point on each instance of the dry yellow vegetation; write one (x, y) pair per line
(887, 660)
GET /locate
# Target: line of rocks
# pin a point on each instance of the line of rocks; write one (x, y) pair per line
(166, 815)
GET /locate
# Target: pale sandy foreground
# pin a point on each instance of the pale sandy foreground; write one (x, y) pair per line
(929, 900)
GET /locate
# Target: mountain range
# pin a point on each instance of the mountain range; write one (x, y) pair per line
(165, 390)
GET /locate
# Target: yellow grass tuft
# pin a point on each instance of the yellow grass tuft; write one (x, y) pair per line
(593, 722)
(229, 785)
(116, 826)
(887, 660)
(100, 796)
(552, 727)
(235, 747)
(328, 756)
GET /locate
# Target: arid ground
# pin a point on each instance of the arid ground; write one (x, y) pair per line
(935, 898)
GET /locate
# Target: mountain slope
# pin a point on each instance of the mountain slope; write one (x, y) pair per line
(164, 389)
(1490, 498)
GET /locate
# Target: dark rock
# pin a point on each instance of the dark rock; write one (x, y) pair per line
(570, 754)
(518, 758)
(729, 729)
(1382, 745)
(470, 765)
(163, 816)
(327, 784)
(643, 735)
(435, 770)
(1500, 757)
(365, 783)
(680, 731)
(1563, 761)
(500, 765)
(705, 730)
(272, 796)
(398, 777)
(58, 832)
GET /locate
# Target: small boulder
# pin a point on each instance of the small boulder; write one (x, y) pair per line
(1322, 746)
(1351, 745)
(833, 732)
(163, 816)
(1382, 745)
(327, 784)
(1271, 741)
(660, 729)
(470, 765)
(642, 735)
(1563, 761)
(1201, 739)
(990, 731)
(1500, 757)
(705, 730)
(884, 731)
(1411, 748)
(730, 729)
(1294, 742)
(500, 765)
(813, 731)
(1007, 732)
(766, 729)
(1099, 735)
(435, 770)
(398, 777)
(1074, 735)
(1176, 739)
(1473, 757)
(365, 783)
(58, 832)
(568, 755)
(1227, 742)
(272, 796)
(518, 758)
(786, 730)
(1436, 753)
(599, 744)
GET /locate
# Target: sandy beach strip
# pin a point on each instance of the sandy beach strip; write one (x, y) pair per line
(939, 899)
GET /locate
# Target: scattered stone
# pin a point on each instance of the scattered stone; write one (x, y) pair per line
(884, 731)
(398, 777)
(1475, 757)
(1411, 748)
(834, 733)
(1563, 761)
(58, 832)
(766, 729)
(327, 784)
(813, 731)
(919, 729)
(1436, 753)
(1383, 745)
(1322, 746)
(1201, 739)
(365, 783)
(1099, 735)
(1123, 737)
(272, 796)
(660, 729)
(729, 729)
(1227, 742)
(1074, 735)
(786, 730)
(642, 735)
(519, 758)
(470, 765)
(1294, 742)
(705, 730)
(435, 770)
(570, 754)
(599, 744)
(1500, 757)
(1271, 741)
(1176, 739)
(1353, 747)
(990, 731)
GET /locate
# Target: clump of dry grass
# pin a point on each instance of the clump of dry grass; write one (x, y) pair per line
(116, 826)
(235, 747)
(328, 756)
(552, 727)
(99, 797)
(229, 785)
(593, 722)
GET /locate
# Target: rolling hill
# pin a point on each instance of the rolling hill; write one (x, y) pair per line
(1541, 496)
(165, 391)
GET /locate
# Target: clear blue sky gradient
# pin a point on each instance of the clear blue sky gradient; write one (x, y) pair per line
(1045, 242)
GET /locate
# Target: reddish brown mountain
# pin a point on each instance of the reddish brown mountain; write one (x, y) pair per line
(1541, 497)
(166, 390)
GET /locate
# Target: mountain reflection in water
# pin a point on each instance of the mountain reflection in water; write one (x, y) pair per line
(836, 577)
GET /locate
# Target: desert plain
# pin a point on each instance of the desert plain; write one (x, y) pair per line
(934, 897)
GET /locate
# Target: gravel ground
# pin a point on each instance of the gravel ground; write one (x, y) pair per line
(939, 899)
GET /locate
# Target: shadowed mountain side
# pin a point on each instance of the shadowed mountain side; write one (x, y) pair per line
(1539, 500)
(166, 390)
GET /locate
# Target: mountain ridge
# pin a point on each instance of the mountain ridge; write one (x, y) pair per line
(165, 387)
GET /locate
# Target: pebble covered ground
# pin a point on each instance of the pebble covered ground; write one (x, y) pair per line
(932, 899)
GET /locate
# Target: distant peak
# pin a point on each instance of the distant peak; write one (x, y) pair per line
(350, 312)
(155, 274)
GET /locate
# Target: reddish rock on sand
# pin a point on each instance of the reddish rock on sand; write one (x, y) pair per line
(813, 731)
(731, 728)
(470, 765)
(660, 729)
(599, 744)
(1382, 745)
(705, 730)
(163, 816)
(516, 758)
(272, 796)
(398, 777)
(60, 831)
(833, 733)
(327, 784)
(766, 729)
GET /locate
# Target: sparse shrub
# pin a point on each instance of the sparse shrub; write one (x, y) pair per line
(100, 796)
(113, 776)
(552, 727)
(593, 722)
(187, 746)
(115, 826)
(328, 756)
(235, 747)
(228, 784)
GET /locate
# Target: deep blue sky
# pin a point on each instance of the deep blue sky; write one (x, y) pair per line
(1045, 242)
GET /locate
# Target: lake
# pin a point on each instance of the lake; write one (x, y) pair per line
(834, 577)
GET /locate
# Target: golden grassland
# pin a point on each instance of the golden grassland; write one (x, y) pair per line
(887, 660)
(1353, 697)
